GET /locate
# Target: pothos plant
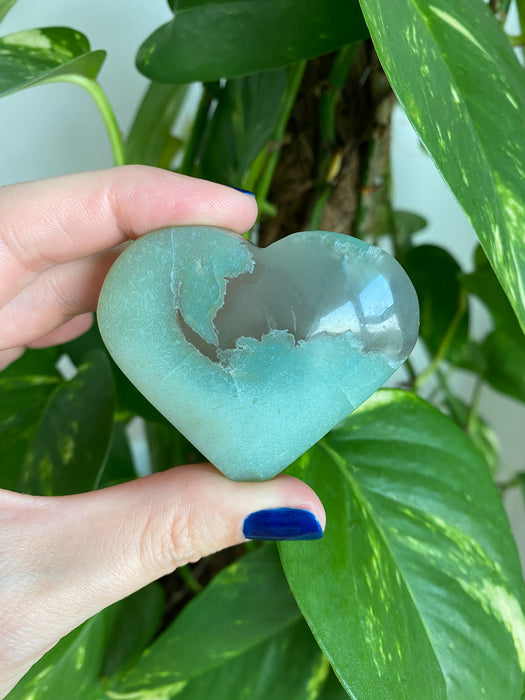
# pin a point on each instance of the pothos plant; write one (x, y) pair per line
(416, 590)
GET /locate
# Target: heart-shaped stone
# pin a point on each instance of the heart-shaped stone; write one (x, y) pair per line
(255, 354)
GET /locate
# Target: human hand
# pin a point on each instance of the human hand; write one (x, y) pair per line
(63, 559)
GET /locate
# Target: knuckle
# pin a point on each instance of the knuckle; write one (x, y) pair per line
(168, 542)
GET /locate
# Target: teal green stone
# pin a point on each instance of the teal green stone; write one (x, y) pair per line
(254, 354)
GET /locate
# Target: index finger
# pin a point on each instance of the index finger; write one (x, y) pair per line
(61, 219)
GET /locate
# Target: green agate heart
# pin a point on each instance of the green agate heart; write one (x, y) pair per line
(255, 354)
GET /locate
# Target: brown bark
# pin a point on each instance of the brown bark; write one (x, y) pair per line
(351, 172)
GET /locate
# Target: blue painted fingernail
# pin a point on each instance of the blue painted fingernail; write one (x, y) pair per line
(282, 524)
(239, 189)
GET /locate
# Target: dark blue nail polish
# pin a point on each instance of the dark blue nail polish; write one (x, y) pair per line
(282, 524)
(239, 189)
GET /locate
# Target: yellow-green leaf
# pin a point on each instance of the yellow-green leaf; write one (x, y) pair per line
(416, 589)
(455, 73)
(34, 56)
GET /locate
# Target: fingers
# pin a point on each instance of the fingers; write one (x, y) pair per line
(66, 332)
(75, 555)
(62, 219)
(59, 237)
(63, 334)
(53, 299)
(9, 356)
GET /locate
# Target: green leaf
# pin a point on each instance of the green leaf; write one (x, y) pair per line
(505, 364)
(150, 141)
(288, 665)
(503, 350)
(23, 401)
(118, 466)
(461, 85)
(482, 435)
(35, 56)
(484, 284)
(71, 435)
(71, 668)
(406, 225)
(416, 589)
(333, 690)
(34, 362)
(435, 275)
(245, 605)
(247, 113)
(5, 6)
(169, 448)
(135, 621)
(212, 39)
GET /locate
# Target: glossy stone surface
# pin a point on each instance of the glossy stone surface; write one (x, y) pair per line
(255, 354)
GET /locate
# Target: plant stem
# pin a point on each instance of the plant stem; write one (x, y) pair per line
(411, 371)
(445, 343)
(511, 483)
(189, 579)
(199, 126)
(500, 8)
(474, 403)
(330, 156)
(295, 77)
(104, 107)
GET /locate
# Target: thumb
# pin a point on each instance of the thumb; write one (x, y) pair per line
(72, 556)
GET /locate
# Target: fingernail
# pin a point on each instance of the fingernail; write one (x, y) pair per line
(282, 524)
(239, 189)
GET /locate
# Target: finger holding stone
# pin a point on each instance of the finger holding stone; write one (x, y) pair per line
(9, 356)
(64, 333)
(62, 219)
(66, 558)
(53, 299)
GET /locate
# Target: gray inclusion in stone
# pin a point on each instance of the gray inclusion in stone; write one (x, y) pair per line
(312, 284)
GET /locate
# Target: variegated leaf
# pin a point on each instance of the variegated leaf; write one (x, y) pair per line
(416, 590)
(35, 56)
(454, 71)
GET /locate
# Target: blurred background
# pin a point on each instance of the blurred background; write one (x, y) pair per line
(56, 129)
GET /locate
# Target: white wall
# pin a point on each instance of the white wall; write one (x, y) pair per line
(418, 187)
(55, 129)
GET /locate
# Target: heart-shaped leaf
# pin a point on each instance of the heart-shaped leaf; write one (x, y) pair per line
(23, 400)
(36, 56)
(134, 622)
(252, 357)
(455, 73)
(483, 283)
(405, 225)
(435, 275)
(246, 605)
(503, 351)
(71, 669)
(54, 434)
(242, 637)
(416, 590)
(288, 665)
(212, 39)
(247, 112)
(505, 361)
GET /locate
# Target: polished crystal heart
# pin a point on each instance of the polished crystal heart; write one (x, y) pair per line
(255, 354)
